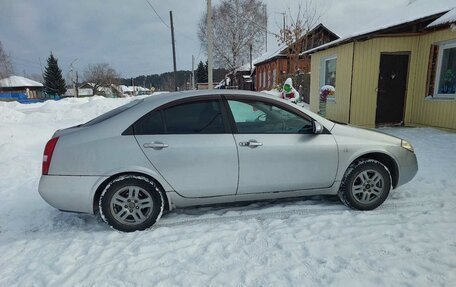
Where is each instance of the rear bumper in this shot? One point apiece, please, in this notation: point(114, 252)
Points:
point(69, 193)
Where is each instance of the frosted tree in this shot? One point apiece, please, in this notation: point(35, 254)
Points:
point(100, 75)
point(6, 67)
point(237, 25)
point(292, 34)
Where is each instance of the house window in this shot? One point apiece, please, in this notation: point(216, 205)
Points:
point(260, 74)
point(445, 78)
point(328, 74)
point(264, 79)
point(274, 76)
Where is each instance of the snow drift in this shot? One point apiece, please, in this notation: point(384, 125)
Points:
point(409, 241)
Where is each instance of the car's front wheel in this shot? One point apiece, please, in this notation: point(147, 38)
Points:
point(130, 203)
point(366, 185)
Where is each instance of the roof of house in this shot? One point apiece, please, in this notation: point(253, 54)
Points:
point(447, 18)
point(275, 53)
point(18, 81)
point(280, 52)
point(125, 89)
point(413, 10)
point(81, 92)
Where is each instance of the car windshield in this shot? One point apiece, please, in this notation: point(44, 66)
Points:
point(111, 113)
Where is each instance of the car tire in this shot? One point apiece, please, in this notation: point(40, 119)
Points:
point(131, 203)
point(366, 185)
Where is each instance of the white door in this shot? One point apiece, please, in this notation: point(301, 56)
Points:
point(278, 150)
point(191, 147)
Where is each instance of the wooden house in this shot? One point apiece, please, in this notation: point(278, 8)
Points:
point(402, 71)
point(17, 87)
point(272, 68)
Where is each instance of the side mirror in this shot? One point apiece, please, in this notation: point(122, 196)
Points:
point(317, 128)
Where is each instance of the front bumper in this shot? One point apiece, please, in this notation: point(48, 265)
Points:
point(70, 193)
point(408, 166)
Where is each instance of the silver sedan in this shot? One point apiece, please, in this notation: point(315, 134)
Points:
point(207, 147)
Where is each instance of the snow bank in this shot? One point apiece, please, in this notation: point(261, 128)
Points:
point(409, 241)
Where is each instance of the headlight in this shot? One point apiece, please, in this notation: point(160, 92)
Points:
point(405, 144)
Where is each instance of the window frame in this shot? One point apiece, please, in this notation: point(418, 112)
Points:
point(247, 99)
point(196, 99)
point(436, 95)
point(330, 99)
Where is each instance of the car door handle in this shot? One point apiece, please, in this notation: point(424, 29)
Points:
point(155, 145)
point(251, 143)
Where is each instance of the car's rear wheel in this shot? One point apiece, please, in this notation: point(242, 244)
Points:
point(130, 203)
point(366, 185)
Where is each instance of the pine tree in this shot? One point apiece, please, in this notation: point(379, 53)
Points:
point(54, 84)
point(201, 73)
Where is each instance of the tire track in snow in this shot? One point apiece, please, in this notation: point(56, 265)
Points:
point(389, 207)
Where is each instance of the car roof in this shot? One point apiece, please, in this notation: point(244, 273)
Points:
point(120, 122)
point(193, 93)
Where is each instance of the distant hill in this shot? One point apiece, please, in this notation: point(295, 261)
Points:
point(164, 82)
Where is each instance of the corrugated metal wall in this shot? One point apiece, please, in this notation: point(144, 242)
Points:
point(365, 75)
point(430, 112)
point(366, 65)
point(337, 111)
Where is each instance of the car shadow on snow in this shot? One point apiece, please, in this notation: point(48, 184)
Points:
point(277, 208)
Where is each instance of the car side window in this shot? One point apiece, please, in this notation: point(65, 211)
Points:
point(150, 124)
point(203, 117)
point(254, 117)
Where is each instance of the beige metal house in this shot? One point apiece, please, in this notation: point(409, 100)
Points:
point(401, 72)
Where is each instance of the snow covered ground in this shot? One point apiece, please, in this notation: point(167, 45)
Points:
point(409, 241)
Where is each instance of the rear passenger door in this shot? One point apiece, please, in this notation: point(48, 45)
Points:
point(190, 143)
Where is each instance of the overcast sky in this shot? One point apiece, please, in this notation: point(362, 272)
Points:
point(128, 34)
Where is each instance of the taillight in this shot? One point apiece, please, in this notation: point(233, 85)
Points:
point(47, 156)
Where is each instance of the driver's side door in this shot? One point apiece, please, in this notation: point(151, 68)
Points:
point(278, 150)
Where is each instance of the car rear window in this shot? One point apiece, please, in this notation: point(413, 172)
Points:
point(111, 113)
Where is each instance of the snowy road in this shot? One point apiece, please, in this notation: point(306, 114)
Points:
point(409, 241)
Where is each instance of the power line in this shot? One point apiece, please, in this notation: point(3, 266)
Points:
point(252, 21)
point(23, 60)
point(158, 15)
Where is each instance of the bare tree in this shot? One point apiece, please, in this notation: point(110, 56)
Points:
point(295, 33)
point(237, 24)
point(6, 67)
point(100, 75)
point(36, 77)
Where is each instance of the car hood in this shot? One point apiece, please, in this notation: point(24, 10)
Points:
point(364, 134)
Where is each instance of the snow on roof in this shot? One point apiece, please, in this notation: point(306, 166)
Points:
point(18, 81)
point(448, 18)
point(406, 12)
point(81, 92)
point(270, 54)
point(263, 57)
point(141, 89)
point(244, 68)
point(281, 49)
point(126, 88)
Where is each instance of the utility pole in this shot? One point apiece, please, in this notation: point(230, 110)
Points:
point(265, 26)
point(210, 81)
point(72, 78)
point(174, 49)
point(284, 15)
point(250, 55)
point(193, 72)
point(76, 85)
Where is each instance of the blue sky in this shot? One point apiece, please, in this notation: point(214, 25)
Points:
point(129, 36)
